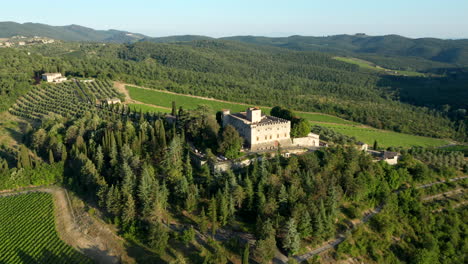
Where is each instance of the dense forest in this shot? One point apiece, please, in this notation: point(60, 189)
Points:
point(307, 81)
point(138, 169)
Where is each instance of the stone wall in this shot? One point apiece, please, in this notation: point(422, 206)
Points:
point(312, 140)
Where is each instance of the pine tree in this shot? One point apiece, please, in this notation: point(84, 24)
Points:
point(265, 247)
point(249, 191)
point(158, 237)
point(192, 198)
point(213, 215)
point(223, 209)
point(173, 161)
point(376, 145)
point(203, 223)
point(129, 180)
point(99, 158)
point(305, 225)
point(129, 212)
point(145, 189)
point(292, 240)
point(188, 170)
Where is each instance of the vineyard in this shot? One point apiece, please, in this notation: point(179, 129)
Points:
point(66, 99)
point(28, 234)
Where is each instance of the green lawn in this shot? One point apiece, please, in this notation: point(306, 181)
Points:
point(385, 138)
point(163, 99)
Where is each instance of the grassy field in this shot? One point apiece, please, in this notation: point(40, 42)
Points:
point(163, 99)
point(385, 138)
point(28, 234)
point(147, 108)
point(371, 66)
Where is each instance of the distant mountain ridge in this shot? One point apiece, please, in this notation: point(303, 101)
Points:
point(440, 50)
point(454, 52)
point(67, 33)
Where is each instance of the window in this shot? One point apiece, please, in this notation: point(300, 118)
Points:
point(271, 136)
point(266, 137)
point(258, 138)
point(277, 135)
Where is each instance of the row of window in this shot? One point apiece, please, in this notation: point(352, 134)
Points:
point(270, 128)
point(271, 137)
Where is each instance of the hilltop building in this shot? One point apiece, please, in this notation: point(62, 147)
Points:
point(53, 77)
point(260, 132)
point(263, 132)
point(110, 101)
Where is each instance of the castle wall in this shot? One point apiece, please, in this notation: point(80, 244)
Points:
point(271, 134)
point(240, 126)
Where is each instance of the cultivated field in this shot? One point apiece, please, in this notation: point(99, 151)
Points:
point(65, 99)
point(28, 234)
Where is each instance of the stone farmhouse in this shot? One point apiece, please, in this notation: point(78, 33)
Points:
point(389, 157)
point(263, 132)
point(111, 101)
point(53, 77)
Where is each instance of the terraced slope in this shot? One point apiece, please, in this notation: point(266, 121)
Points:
point(66, 99)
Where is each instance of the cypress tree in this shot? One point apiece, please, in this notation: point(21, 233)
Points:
point(64, 153)
point(245, 254)
point(160, 135)
point(51, 156)
point(174, 109)
point(213, 215)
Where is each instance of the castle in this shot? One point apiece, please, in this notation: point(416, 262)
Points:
point(263, 132)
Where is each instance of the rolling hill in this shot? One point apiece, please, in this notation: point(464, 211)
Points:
point(437, 50)
point(67, 33)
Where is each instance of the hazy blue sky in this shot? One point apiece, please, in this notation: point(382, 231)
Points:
point(412, 18)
